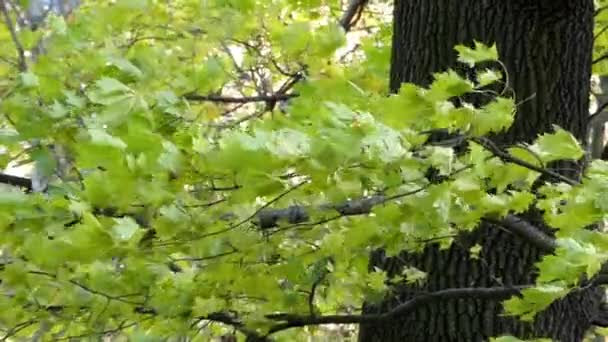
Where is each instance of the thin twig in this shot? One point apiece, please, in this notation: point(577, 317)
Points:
point(122, 326)
point(16, 329)
point(11, 28)
point(244, 99)
point(600, 32)
point(506, 157)
point(600, 58)
point(269, 203)
point(211, 257)
point(120, 298)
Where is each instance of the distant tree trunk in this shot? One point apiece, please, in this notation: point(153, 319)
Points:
point(546, 46)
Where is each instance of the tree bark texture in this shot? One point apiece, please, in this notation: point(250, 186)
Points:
point(546, 46)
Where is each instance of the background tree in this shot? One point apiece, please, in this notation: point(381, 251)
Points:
point(546, 48)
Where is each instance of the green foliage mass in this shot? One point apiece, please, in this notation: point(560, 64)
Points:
point(166, 128)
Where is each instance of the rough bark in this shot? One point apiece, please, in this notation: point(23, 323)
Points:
point(546, 46)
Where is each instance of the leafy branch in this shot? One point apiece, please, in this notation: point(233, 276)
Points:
point(527, 231)
point(16, 329)
point(507, 157)
point(289, 321)
point(296, 215)
point(86, 288)
point(489, 293)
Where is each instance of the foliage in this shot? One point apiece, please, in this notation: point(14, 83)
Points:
point(600, 53)
point(168, 132)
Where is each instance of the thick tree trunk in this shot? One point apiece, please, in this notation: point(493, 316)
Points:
point(546, 46)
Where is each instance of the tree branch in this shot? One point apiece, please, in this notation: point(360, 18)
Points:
point(527, 231)
point(506, 157)
point(244, 99)
point(107, 296)
point(352, 14)
point(266, 218)
point(492, 293)
point(600, 58)
point(11, 28)
point(16, 181)
point(233, 321)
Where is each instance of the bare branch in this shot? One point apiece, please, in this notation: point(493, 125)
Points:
point(352, 14)
point(528, 232)
point(16, 181)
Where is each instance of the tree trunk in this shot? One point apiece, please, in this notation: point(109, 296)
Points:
point(546, 46)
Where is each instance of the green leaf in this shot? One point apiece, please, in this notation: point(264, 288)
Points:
point(58, 25)
point(206, 306)
point(560, 145)
point(480, 53)
point(125, 228)
point(329, 38)
point(109, 85)
point(534, 300)
point(74, 100)
point(488, 77)
point(12, 198)
point(495, 117)
point(29, 80)
point(102, 138)
point(126, 66)
point(296, 38)
point(108, 91)
point(57, 110)
point(447, 85)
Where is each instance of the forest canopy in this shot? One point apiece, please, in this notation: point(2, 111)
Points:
point(198, 168)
